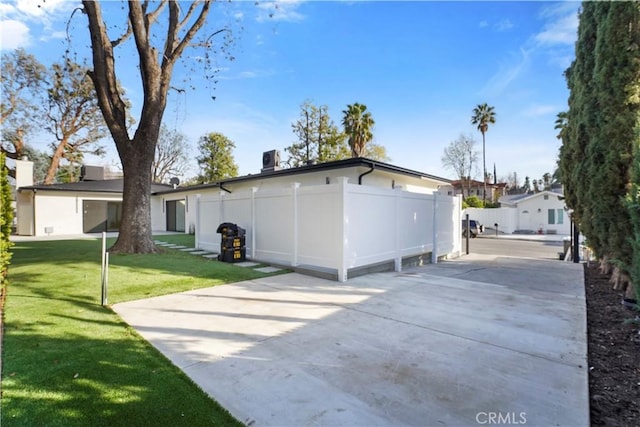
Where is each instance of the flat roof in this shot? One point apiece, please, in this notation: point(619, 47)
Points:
point(337, 164)
point(100, 186)
point(116, 185)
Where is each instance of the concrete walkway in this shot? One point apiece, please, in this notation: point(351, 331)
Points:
point(460, 343)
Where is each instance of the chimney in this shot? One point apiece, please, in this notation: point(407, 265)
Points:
point(24, 173)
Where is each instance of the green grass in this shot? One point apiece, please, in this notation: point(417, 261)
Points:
point(68, 361)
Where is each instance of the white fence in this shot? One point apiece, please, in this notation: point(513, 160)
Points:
point(334, 227)
point(506, 218)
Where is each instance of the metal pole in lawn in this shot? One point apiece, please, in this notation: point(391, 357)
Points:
point(106, 279)
point(103, 271)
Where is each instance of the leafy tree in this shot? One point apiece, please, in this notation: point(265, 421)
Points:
point(483, 116)
point(216, 158)
point(526, 187)
point(171, 155)
point(536, 185)
point(22, 78)
point(158, 47)
point(461, 156)
point(376, 152)
point(73, 117)
point(358, 126)
point(41, 161)
point(318, 138)
point(546, 181)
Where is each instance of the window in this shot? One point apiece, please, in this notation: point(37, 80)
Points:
point(552, 216)
point(560, 218)
point(546, 197)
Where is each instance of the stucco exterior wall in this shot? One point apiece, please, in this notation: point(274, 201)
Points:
point(533, 214)
point(56, 212)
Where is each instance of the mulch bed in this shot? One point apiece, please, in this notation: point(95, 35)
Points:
point(614, 354)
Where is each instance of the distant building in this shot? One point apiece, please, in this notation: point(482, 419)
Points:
point(471, 187)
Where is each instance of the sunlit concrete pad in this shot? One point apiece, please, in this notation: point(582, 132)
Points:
point(246, 264)
point(446, 344)
point(199, 252)
point(267, 269)
point(189, 249)
point(210, 256)
point(179, 247)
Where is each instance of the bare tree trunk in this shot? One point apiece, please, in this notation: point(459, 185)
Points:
point(136, 199)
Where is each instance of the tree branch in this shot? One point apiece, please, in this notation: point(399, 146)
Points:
point(103, 75)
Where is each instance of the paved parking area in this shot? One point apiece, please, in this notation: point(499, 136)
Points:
point(449, 344)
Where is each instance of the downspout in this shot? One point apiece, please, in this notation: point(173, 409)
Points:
point(373, 166)
point(225, 189)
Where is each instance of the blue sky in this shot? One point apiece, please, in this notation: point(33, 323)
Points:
point(420, 67)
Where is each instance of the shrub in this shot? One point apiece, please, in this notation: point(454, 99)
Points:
point(473, 202)
point(6, 219)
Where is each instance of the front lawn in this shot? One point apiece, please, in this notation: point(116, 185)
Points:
point(68, 361)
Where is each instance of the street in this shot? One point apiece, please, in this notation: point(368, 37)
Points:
point(488, 245)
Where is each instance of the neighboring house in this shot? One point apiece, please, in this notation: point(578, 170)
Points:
point(338, 218)
point(73, 208)
point(542, 213)
point(472, 187)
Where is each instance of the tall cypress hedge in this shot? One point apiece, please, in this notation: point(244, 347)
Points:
point(599, 159)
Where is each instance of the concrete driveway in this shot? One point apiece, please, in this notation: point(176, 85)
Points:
point(478, 340)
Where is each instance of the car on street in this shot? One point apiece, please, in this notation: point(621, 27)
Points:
point(474, 228)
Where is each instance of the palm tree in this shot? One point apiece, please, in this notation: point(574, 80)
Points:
point(483, 115)
point(358, 125)
point(562, 121)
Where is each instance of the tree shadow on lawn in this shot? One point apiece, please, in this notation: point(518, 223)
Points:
point(29, 285)
point(80, 381)
point(72, 253)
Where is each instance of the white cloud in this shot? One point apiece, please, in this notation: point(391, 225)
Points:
point(36, 9)
point(483, 24)
point(23, 19)
point(6, 9)
point(541, 110)
point(561, 25)
point(506, 74)
point(13, 35)
point(280, 11)
point(503, 25)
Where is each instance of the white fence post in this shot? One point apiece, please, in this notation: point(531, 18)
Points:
point(294, 196)
point(197, 231)
point(398, 248)
point(434, 251)
point(343, 229)
point(253, 221)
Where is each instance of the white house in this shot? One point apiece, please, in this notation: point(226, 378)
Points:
point(542, 213)
point(339, 218)
point(72, 208)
